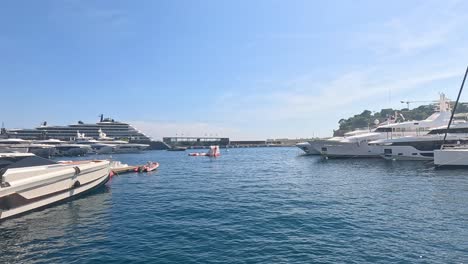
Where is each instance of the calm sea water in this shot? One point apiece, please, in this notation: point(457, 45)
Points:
point(265, 205)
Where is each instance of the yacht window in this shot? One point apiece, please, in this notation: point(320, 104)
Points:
point(414, 154)
point(427, 154)
point(383, 129)
point(387, 151)
point(324, 149)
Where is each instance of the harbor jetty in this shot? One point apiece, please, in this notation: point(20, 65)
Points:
point(180, 142)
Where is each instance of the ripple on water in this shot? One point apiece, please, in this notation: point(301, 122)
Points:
point(265, 205)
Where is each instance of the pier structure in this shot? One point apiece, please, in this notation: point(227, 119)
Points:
point(205, 142)
point(195, 141)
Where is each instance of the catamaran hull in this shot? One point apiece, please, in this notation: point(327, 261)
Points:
point(26, 197)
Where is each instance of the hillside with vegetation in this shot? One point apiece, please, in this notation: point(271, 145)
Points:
point(367, 119)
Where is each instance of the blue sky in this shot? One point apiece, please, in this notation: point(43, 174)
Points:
point(242, 69)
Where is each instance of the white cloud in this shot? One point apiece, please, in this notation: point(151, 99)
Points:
point(431, 25)
point(409, 54)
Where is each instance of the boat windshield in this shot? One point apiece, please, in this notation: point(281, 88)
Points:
point(23, 161)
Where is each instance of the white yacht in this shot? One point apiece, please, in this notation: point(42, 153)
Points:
point(29, 182)
point(96, 146)
point(120, 146)
point(72, 150)
point(319, 143)
point(50, 142)
point(420, 147)
point(14, 145)
point(307, 148)
point(26, 146)
point(358, 145)
point(107, 145)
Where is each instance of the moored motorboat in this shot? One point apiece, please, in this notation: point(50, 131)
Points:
point(149, 166)
point(29, 182)
point(421, 147)
point(357, 146)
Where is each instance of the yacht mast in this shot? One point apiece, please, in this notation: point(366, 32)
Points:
point(454, 108)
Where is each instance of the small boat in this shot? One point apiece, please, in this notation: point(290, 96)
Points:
point(150, 166)
point(213, 152)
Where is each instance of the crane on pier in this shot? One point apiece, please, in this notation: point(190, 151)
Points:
point(411, 102)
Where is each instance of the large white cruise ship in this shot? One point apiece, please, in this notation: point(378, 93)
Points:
point(358, 145)
point(114, 129)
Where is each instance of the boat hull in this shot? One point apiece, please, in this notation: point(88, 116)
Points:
point(402, 153)
point(451, 157)
point(307, 148)
point(26, 195)
point(349, 150)
point(319, 144)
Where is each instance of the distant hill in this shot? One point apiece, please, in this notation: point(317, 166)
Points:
point(367, 118)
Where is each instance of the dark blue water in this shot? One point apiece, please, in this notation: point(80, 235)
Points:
point(265, 205)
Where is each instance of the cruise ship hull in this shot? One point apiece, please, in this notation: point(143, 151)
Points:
point(32, 188)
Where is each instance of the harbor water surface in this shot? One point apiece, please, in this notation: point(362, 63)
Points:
point(258, 205)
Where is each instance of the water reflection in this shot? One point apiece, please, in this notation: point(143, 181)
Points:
point(49, 230)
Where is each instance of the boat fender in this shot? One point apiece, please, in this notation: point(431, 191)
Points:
point(76, 185)
point(77, 170)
